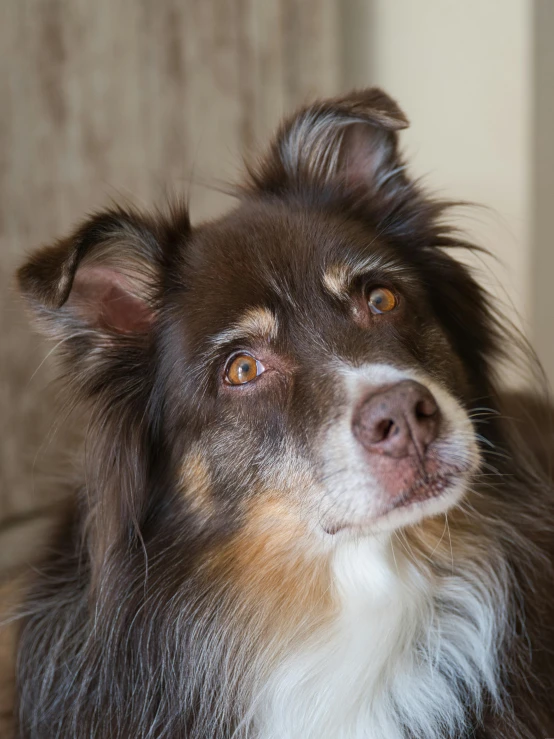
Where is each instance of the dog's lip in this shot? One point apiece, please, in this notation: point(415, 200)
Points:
point(422, 490)
point(425, 489)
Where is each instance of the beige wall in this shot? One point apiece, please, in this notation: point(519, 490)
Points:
point(542, 213)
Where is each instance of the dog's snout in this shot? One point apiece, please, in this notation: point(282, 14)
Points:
point(398, 421)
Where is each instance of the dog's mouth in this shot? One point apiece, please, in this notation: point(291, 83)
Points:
point(427, 496)
point(423, 489)
point(406, 451)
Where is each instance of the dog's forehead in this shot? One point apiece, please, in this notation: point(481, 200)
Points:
point(270, 251)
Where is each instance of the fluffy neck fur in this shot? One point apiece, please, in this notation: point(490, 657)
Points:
point(410, 649)
point(407, 645)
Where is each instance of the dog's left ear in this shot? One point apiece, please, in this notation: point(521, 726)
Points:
point(348, 140)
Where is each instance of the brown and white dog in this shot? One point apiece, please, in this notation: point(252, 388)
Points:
point(304, 514)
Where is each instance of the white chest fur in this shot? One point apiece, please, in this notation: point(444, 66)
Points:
point(408, 649)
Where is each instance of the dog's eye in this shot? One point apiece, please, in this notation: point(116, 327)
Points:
point(243, 368)
point(381, 300)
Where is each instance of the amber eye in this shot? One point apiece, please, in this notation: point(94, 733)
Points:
point(381, 300)
point(243, 368)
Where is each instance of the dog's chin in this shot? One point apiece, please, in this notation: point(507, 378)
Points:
point(427, 499)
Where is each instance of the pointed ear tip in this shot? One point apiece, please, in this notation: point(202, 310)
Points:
point(379, 100)
point(36, 282)
point(403, 123)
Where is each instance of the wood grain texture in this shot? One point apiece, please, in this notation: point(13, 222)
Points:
point(126, 99)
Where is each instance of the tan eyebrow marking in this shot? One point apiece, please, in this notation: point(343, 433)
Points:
point(336, 280)
point(255, 323)
point(258, 321)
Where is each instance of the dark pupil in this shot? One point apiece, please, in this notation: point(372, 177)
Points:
point(244, 368)
point(378, 298)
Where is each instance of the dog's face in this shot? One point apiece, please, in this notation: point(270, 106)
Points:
point(308, 360)
point(311, 372)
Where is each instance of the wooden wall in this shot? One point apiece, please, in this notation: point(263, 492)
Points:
point(126, 99)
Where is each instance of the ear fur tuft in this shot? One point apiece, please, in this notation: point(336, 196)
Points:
point(350, 140)
point(102, 278)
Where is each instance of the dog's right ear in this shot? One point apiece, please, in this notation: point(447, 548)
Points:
point(98, 288)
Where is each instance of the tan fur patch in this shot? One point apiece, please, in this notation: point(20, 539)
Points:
point(258, 322)
point(273, 572)
point(336, 280)
point(255, 323)
point(196, 484)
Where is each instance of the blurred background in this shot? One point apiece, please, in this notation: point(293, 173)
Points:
point(134, 99)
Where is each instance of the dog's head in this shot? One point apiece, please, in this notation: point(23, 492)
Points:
point(309, 360)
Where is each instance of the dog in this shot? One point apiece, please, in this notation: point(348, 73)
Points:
point(304, 511)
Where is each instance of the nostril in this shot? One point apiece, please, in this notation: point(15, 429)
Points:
point(384, 430)
point(398, 421)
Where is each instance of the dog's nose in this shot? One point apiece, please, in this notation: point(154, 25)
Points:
point(399, 421)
